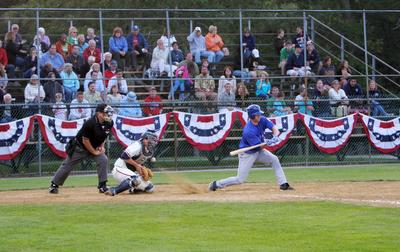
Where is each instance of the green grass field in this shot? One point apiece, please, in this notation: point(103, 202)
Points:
point(197, 226)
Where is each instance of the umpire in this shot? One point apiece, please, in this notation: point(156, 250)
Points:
point(88, 143)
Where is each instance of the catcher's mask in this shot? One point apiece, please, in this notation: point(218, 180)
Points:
point(151, 136)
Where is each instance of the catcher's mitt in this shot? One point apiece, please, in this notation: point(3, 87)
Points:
point(146, 173)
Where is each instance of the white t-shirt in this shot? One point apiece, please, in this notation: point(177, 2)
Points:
point(336, 96)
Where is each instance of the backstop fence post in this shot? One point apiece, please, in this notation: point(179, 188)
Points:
point(366, 71)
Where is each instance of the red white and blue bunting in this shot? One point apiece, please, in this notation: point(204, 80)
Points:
point(329, 136)
point(127, 129)
point(205, 132)
point(383, 135)
point(13, 137)
point(57, 132)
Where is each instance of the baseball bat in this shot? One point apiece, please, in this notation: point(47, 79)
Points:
point(238, 151)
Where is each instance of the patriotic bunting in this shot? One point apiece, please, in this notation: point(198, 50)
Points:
point(329, 136)
point(127, 129)
point(57, 132)
point(384, 136)
point(205, 132)
point(13, 137)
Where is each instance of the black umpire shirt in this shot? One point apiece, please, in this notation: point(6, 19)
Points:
point(94, 131)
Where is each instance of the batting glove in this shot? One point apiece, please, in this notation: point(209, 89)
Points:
point(273, 140)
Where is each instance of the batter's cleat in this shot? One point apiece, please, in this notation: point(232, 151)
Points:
point(213, 186)
point(110, 191)
point(103, 189)
point(53, 188)
point(285, 187)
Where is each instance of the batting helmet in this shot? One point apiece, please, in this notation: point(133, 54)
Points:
point(254, 110)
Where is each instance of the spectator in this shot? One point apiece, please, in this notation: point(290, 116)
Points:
point(118, 47)
point(82, 44)
point(160, 59)
point(354, 91)
point(107, 62)
point(18, 37)
point(181, 82)
point(95, 67)
point(98, 83)
point(312, 57)
point(92, 96)
point(299, 39)
point(215, 45)
point(91, 35)
point(59, 109)
point(72, 38)
point(276, 106)
point(327, 70)
point(339, 100)
point(51, 88)
point(41, 34)
point(114, 98)
point(226, 100)
point(227, 77)
point(80, 107)
point(192, 67)
point(322, 107)
point(34, 91)
point(176, 54)
point(284, 54)
point(168, 39)
point(302, 103)
point(279, 41)
point(152, 103)
point(92, 50)
point(343, 71)
point(53, 57)
point(295, 64)
point(197, 44)
point(3, 56)
point(119, 81)
point(138, 48)
point(3, 80)
point(129, 106)
point(14, 50)
point(249, 44)
point(70, 82)
point(31, 62)
point(205, 86)
point(374, 94)
point(263, 86)
point(77, 61)
point(41, 42)
point(45, 70)
point(8, 112)
point(88, 65)
point(242, 93)
point(110, 72)
point(62, 47)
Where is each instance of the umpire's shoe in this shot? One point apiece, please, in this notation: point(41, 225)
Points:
point(213, 186)
point(53, 188)
point(285, 187)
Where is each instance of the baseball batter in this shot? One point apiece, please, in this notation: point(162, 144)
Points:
point(253, 134)
point(129, 169)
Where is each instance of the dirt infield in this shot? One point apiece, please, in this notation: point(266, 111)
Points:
point(370, 193)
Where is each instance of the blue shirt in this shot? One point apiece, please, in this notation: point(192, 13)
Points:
point(118, 44)
point(254, 134)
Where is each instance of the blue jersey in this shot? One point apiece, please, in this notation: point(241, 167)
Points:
point(254, 134)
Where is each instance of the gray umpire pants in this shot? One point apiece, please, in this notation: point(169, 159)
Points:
point(79, 155)
point(246, 161)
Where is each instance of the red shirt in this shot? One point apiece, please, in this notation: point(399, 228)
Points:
point(135, 41)
point(108, 75)
point(152, 106)
point(96, 53)
point(3, 57)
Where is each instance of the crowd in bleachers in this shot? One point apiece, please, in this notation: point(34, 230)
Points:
point(75, 71)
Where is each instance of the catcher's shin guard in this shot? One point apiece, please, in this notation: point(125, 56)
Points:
point(126, 184)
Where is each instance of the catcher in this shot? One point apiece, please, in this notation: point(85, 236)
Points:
point(129, 169)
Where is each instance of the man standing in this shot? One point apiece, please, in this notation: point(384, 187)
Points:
point(88, 143)
point(253, 134)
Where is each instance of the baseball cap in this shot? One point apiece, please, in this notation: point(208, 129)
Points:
point(135, 28)
point(254, 110)
point(297, 46)
point(197, 29)
point(114, 63)
point(105, 109)
point(255, 53)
